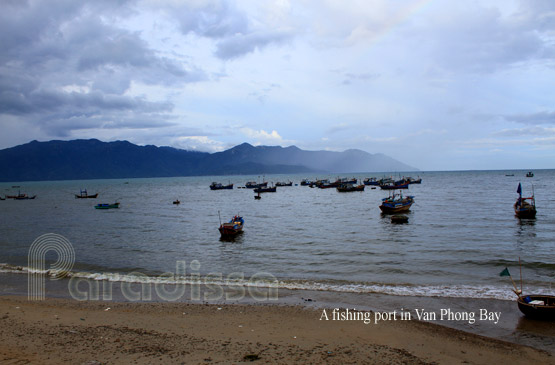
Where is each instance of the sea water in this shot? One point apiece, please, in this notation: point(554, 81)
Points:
point(462, 232)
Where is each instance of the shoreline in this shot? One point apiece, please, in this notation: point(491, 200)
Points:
point(64, 330)
point(511, 325)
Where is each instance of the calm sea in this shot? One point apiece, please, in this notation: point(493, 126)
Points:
point(461, 233)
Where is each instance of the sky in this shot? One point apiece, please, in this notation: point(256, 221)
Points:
point(436, 84)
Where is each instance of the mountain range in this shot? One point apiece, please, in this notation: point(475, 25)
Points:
point(94, 159)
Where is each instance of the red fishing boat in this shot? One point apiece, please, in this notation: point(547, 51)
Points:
point(232, 228)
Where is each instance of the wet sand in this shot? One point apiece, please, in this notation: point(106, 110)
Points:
point(67, 331)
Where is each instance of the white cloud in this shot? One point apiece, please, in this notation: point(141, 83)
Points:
point(262, 137)
point(198, 143)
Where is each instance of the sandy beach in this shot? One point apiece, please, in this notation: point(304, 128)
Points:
point(66, 331)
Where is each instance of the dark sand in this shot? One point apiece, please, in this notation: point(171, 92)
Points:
point(57, 331)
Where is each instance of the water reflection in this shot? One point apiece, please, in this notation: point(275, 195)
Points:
point(525, 228)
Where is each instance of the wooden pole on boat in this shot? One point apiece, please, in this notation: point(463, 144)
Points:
point(516, 291)
point(220, 217)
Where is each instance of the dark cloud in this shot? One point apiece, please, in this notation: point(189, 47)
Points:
point(217, 19)
point(67, 65)
point(230, 27)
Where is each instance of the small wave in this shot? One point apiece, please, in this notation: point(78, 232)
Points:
point(268, 281)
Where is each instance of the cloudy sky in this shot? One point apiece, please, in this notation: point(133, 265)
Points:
point(437, 84)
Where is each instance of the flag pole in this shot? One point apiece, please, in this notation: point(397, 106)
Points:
point(507, 273)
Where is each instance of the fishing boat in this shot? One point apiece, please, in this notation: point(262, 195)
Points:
point(401, 184)
point(523, 208)
point(529, 174)
point(232, 228)
point(254, 185)
point(306, 182)
point(386, 180)
point(176, 202)
point(537, 306)
point(20, 196)
point(262, 189)
point(328, 185)
point(279, 183)
point(395, 203)
point(25, 197)
point(346, 180)
point(2, 198)
point(412, 180)
point(107, 206)
point(345, 188)
point(84, 195)
point(219, 186)
point(371, 181)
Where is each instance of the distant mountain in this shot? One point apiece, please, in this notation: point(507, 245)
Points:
point(93, 159)
point(325, 161)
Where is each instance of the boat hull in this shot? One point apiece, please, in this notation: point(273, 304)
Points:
point(524, 209)
point(230, 232)
point(544, 312)
point(265, 190)
point(526, 213)
point(86, 196)
point(221, 187)
point(395, 209)
point(347, 189)
point(25, 197)
point(107, 206)
point(390, 206)
point(253, 185)
point(395, 187)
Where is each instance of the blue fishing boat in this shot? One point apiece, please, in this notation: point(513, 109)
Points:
point(271, 189)
point(525, 207)
point(232, 228)
point(371, 181)
point(401, 184)
point(107, 206)
point(395, 203)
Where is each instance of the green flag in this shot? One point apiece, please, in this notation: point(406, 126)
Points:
point(505, 272)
